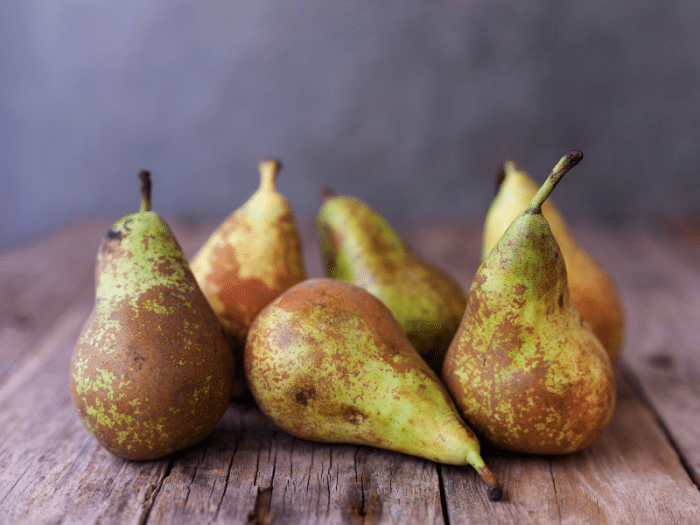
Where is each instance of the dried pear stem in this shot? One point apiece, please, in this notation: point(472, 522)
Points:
point(145, 178)
point(494, 491)
point(500, 177)
point(325, 193)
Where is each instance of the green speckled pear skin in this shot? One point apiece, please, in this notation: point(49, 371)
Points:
point(326, 361)
point(359, 246)
point(151, 370)
point(592, 290)
point(525, 370)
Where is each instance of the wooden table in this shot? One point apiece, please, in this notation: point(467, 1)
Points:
point(644, 469)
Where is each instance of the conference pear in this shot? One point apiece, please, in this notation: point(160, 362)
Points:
point(359, 246)
point(250, 258)
point(151, 370)
point(524, 368)
point(593, 292)
point(327, 361)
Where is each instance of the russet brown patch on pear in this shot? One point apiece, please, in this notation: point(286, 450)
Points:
point(241, 292)
point(353, 415)
point(303, 395)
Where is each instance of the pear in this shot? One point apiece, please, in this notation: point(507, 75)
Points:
point(326, 361)
point(359, 246)
point(151, 370)
point(250, 258)
point(524, 368)
point(592, 290)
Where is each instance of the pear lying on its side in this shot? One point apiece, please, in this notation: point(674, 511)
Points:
point(592, 290)
point(151, 369)
point(326, 361)
point(525, 370)
point(250, 258)
point(359, 246)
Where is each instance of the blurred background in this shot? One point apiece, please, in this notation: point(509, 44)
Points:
point(408, 105)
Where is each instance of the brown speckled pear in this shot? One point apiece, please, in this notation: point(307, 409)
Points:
point(359, 246)
point(151, 369)
point(252, 257)
point(524, 368)
point(327, 361)
point(593, 292)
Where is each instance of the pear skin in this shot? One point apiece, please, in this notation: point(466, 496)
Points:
point(250, 258)
point(592, 290)
point(151, 370)
point(327, 361)
point(525, 370)
point(361, 247)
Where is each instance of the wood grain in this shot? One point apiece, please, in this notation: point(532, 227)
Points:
point(248, 471)
point(661, 291)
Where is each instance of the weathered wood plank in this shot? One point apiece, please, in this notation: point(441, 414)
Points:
point(252, 472)
point(248, 471)
point(37, 282)
point(661, 292)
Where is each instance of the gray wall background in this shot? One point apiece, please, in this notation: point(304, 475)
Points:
point(409, 105)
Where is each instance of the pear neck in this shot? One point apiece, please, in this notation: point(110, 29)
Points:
point(269, 169)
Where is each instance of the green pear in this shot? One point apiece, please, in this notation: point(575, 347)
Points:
point(151, 370)
point(248, 260)
point(592, 290)
point(524, 368)
point(359, 246)
point(327, 361)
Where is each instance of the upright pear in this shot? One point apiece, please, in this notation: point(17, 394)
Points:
point(327, 361)
point(359, 246)
point(525, 369)
point(592, 290)
point(151, 369)
point(250, 258)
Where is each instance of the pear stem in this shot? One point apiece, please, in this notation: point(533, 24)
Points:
point(325, 193)
point(500, 177)
point(494, 491)
point(563, 166)
point(269, 169)
point(145, 178)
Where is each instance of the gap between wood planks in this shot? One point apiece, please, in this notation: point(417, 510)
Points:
point(153, 496)
point(638, 389)
point(443, 496)
point(262, 514)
